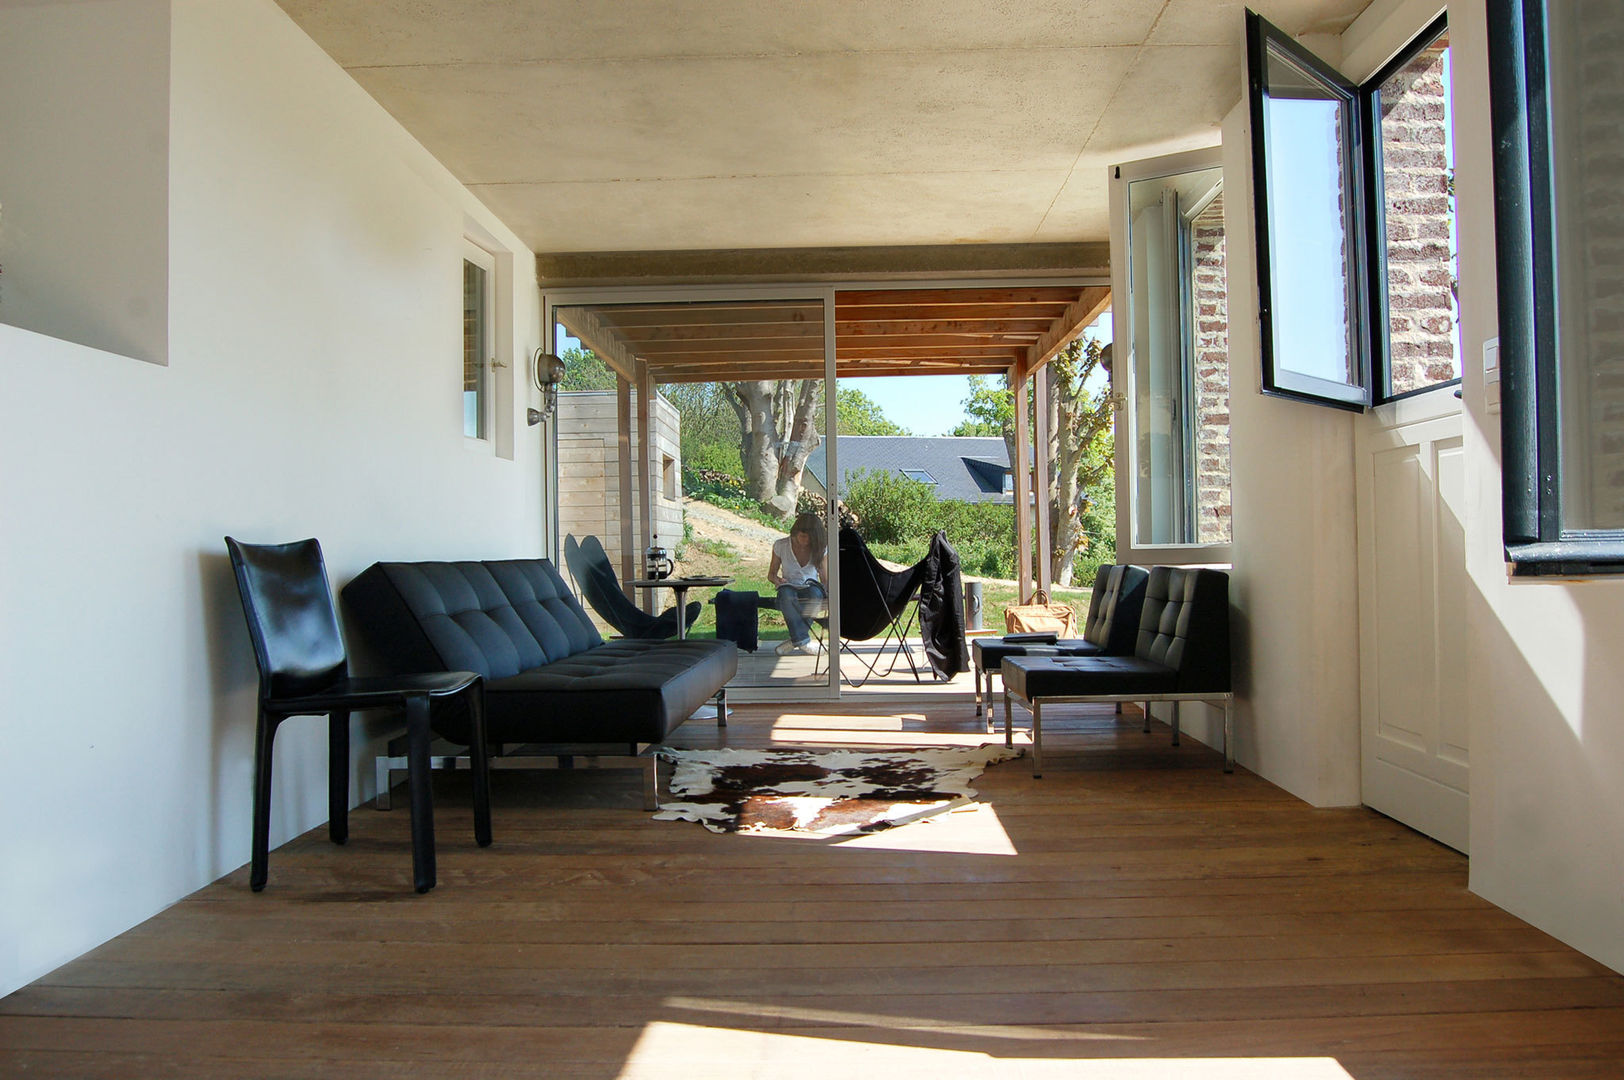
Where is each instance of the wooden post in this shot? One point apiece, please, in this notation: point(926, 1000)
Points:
point(645, 449)
point(1041, 483)
point(1023, 488)
point(623, 430)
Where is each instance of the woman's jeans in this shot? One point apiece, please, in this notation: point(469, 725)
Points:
point(793, 601)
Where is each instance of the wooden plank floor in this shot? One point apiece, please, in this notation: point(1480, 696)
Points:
point(1136, 913)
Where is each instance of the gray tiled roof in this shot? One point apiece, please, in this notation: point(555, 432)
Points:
point(968, 469)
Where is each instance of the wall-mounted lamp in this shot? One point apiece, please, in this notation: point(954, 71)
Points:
point(547, 371)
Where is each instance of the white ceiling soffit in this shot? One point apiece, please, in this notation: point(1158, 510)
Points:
point(674, 125)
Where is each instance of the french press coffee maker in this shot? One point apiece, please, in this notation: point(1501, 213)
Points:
point(657, 562)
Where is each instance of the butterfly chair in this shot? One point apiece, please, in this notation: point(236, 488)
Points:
point(595, 576)
point(875, 602)
point(303, 671)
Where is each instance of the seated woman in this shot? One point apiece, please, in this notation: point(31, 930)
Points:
point(798, 571)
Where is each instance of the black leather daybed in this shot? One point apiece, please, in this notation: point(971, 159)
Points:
point(554, 688)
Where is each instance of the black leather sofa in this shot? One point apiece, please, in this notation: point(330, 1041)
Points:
point(1108, 630)
point(1181, 653)
point(552, 683)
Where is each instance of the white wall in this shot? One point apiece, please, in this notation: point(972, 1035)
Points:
point(1545, 685)
point(313, 389)
point(1294, 584)
point(84, 172)
point(1295, 530)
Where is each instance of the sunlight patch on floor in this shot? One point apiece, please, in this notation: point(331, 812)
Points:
point(965, 830)
point(665, 1049)
point(883, 729)
point(795, 1016)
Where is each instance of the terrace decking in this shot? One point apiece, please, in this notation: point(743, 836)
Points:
point(1135, 913)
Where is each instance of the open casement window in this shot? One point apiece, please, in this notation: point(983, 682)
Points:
point(478, 342)
point(1355, 222)
point(1554, 82)
point(1170, 361)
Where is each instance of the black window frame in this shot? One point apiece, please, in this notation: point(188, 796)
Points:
point(1376, 220)
point(1528, 292)
point(1368, 268)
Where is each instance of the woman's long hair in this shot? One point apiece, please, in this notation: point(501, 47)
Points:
point(812, 525)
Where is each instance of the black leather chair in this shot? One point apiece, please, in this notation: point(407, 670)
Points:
point(304, 671)
point(875, 602)
point(1109, 630)
point(1181, 653)
point(595, 576)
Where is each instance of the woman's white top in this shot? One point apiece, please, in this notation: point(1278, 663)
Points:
point(795, 573)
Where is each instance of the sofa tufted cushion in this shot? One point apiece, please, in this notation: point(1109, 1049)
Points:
point(1110, 628)
point(1062, 676)
point(628, 690)
point(990, 652)
point(549, 675)
point(1114, 608)
point(1185, 626)
point(496, 618)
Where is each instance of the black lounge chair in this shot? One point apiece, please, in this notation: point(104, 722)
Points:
point(875, 602)
point(595, 576)
point(1110, 630)
point(1181, 653)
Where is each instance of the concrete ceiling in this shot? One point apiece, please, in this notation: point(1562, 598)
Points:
point(687, 125)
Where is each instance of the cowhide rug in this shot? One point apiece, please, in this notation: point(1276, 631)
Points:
point(820, 792)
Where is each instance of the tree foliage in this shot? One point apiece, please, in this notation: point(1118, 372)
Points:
point(858, 414)
point(585, 370)
point(1082, 484)
point(763, 432)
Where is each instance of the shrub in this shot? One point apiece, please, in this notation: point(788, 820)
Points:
point(891, 509)
point(898, 516)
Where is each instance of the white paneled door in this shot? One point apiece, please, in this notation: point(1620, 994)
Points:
point(1412, 582)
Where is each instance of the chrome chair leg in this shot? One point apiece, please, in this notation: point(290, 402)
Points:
point(1037, 740)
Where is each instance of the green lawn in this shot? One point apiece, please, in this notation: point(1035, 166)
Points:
point(716, 557)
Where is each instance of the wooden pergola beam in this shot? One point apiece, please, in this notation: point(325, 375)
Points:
point(1078, 314)
point(949, 298)
point(601, 338)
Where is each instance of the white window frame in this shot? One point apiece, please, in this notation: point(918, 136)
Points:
point(1123, 388)
point(485, 440)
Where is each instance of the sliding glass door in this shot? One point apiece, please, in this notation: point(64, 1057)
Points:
point(688, 425)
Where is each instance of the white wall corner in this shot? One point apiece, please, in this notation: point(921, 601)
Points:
point(1295, 571)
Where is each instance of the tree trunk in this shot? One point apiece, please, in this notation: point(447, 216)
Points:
point(1074, 421)
point(778, 429)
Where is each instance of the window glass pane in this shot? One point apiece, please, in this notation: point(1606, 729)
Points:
point(1311, 225)
point(475, 349)
point(730, 438)
point(1586, 86)
point(1418, 222)
point(1210, 312)
point(1178, 314)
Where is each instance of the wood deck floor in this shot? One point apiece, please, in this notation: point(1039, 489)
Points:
point(1134, 914)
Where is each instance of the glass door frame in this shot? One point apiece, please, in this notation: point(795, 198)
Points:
point(553, 299)
point(826, 291)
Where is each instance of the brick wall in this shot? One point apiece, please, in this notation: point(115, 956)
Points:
point(472, 302)
point(1418, 205)
point(1211, 303)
